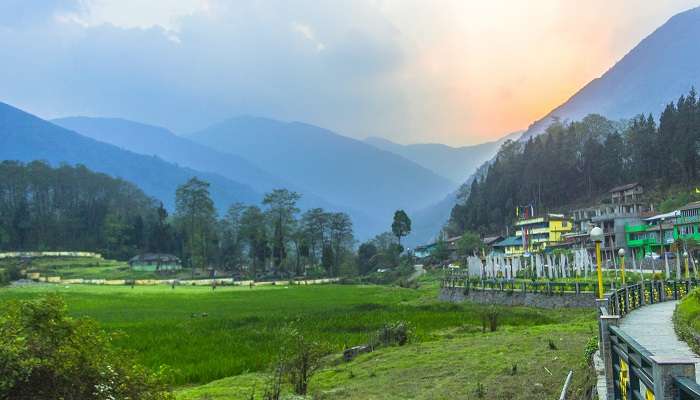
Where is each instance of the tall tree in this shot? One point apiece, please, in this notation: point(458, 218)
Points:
point(401, 225)
point(281, 209)
point(196, 216)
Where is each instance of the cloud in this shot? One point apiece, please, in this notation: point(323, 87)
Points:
point(23, 13)
point(450, 71)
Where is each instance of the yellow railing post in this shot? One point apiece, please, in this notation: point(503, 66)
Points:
point(600, 270)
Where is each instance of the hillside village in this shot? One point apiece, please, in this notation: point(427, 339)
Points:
point(629, 219)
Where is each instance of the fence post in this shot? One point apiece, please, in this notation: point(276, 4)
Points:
point(604, 321)
point(664, 369)
point(662, 294)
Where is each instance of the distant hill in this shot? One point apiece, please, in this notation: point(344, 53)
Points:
point(453, 163)
point(342, 170)
point(651, 75)
point(25, 137)
point(153, 140)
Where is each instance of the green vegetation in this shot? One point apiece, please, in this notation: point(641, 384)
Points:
point(47, 355)
point(88, 268)
point(686, 320)
point(75, 209)
point(515, 362)
point(577, 162)
point(206, 335)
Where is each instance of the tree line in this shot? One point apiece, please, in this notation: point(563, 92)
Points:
point(575, 163)
point(72, 208)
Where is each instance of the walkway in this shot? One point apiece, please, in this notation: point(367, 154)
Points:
point(652, 327)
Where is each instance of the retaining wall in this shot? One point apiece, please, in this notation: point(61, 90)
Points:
point(516, 298)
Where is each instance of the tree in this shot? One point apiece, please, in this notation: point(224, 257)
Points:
point(231, 242)
point(314, 223)
point(281, 210)
point(45, 354)
point(367, 257)
point(255, 237)
point(341, 237)
point(195, 214)
point(401, 225)
point(468, 244)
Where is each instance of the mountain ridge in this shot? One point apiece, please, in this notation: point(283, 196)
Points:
point(644, 80)
point(346, 171)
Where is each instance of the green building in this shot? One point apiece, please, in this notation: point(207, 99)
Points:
point(646, 238)
point(688, 222)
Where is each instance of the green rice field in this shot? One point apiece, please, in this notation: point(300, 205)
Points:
point(205, 335)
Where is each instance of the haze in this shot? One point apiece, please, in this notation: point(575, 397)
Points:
point(451, 71)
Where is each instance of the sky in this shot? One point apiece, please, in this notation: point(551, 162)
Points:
point(447, 71)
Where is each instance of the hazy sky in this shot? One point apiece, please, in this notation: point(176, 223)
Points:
point(450, 71)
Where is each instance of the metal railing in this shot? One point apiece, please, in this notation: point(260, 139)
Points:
point(632, 371)
point(522, 285)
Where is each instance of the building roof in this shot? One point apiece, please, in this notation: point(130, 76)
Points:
point(491, 239)
point(691, 206)
point(667, 215)
point(510, 241)
point(154, 257)
point(624, 187)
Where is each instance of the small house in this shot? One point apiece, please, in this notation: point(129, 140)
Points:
point(153, 262)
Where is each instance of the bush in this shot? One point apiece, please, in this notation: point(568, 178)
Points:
point(44, 354)
point(489, 319)
point(394, 333)
point(590, 349)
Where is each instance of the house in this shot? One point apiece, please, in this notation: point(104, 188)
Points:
point(687, 225)
point(655, 234)
point(629, 194)
point(538, 232)
point(155, 262)
point(489, 241)
point(510, 246)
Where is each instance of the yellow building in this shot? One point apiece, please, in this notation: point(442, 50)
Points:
point(539, 232)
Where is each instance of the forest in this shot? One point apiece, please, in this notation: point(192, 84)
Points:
point(71, 208)
point(575, 163)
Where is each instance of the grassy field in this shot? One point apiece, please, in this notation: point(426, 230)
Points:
point(512, 363)
point(686, 320)
point(92, 268)
point(206, 335)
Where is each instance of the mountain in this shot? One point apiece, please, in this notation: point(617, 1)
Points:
point(153, 140)
point(654, 73)
point(342, 170)
point(25, 137)
point(453, 163)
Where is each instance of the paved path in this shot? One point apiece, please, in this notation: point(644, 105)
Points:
point(652, 327)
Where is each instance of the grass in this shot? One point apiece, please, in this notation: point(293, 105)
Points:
point(686, 320)
point(512, 363)
point(206, 335)
point(91, 268)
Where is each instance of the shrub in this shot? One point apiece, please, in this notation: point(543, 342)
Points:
point(489, 319)
point(590, 349)
point(44, 354)
point(302, 357)
point(394, 333)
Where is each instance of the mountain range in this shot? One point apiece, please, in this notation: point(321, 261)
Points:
point(344, 171)
point(25, 137)
point(453, 163)
point(654, 73)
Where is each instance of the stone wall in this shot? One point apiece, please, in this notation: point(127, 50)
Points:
point(515, 298)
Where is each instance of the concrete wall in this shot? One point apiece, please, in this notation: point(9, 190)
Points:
point(540, 300)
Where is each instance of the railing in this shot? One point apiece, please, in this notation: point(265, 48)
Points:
point(633, 372)
point(512, 285)
point(631, 297)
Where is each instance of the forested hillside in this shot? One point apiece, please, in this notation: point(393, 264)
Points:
point(73, 208)
point(575, 162)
